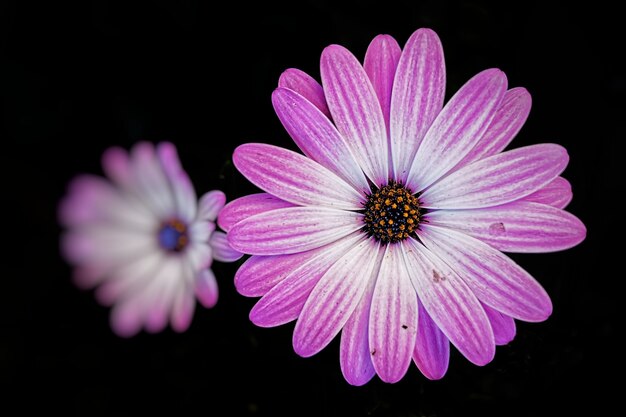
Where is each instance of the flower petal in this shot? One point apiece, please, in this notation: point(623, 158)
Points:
point(498, 179)
point(284, 302)
point(150, 180)
point(248, 206)
point(184, 193)
point(259, 274)
point(292, 229)
point(381, 61)
point(222, 251)
point(417, 99)
point(334, 298)
point(200, 231)
point(305, 85)
point(356, 111)
point(393, 318)
point(495, 279)
point(355, 357)
point(503, 326)
point(206, 288)
point(210, 205)
point(457, 128)
point(317, 137)
point(557, 193)
point(507, 122)
point(519, 226)
point(432, 347)
point(117, 166)
point(183, 309)
point(293, 177)
point(450, 303)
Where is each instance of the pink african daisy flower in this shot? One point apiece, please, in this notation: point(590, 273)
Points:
point(391, 228)
point(143, 239)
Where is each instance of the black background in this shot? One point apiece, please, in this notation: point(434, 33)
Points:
point(79, 77)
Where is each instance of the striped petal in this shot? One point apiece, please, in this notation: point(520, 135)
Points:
point(284, 302)
point(498, 179)
point(292, 230)
point(259, 274)
point(432, 347)
point(317, 137)
point(356, 111)
point(557, 193)
point(519, 226)
point(503, 326)
point(495, 279)
point(457, 128)
point(248, 206)
point(293, 177)
point(507, 122)
point(393, 318)
point(381, 61)
point(418, 94)
point(305, 85)
point(334, 298)
point(355, 357)
point(450, 303)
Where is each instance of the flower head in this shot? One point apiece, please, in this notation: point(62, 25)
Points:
point(143, 239)
point(390, 228)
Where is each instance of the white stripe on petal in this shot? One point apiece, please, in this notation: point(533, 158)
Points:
point(291, 230)
point(334, 298)
point(393, 317)
point(450, 303)
point(495, 279)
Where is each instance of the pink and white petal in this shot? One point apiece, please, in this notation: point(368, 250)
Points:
point(160, 295)
point(92, 199)
point(317, 137)
point(503, 326)
point(519, 226)
point(432, 347)
point(259, 274)
point(199, 255)
point(305, 85)
point(117, 166)
point(210, 205)
point(356, 111)
point(201, 230)
point(126, 318)
point(355, 357)
point(393, 318)
point(498, 179)
point(105, 245)
point(130, 279)
point(292, 230)
point(335, 297)
point(184, 193)
point(557, 193)
point(294, 178)
point(493, 277)
point(457, 128)
point(507, 122)
point(418, 93)
point(283, 303)
point(381, 61)
point(248, 206)
point(150, 181)
point(206, 288)
point(222, 251)
point(183, 308)
point(450, 303)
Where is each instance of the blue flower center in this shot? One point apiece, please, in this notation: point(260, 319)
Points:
point(391, 213)
point(173, 235)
